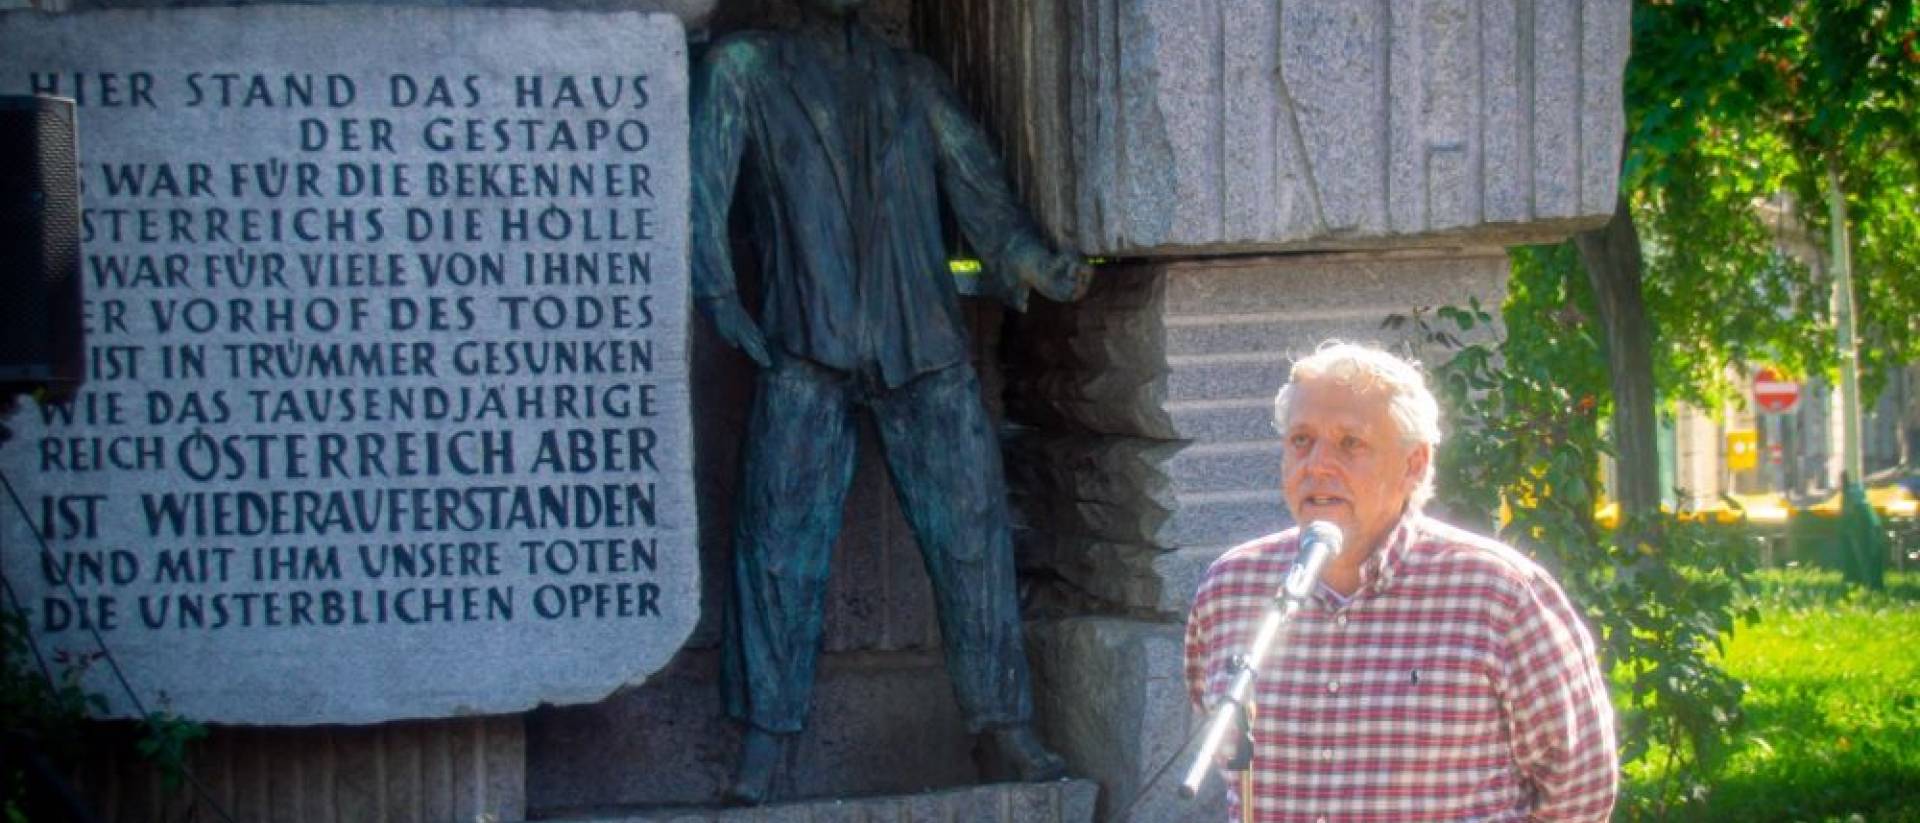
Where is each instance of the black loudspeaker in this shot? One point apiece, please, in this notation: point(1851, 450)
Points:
point(41, 340)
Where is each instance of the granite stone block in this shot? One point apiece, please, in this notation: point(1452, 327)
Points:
point(388, 771)
point(1138, 579)
point(1232, 419)
point(1078, 800)
point(1360, 287)
point(841, 811)
point(1213, 519)
point(1120, 574)
point(881, 723)
point(357, 789)
point(1211, 467)
point(925, 808)
point(1116, 403)
point(1230, 330)
point(1605, 30)
point(1180, 572)
point(408, 458)
point(1032, 803)
point(1232, 375)
point(1124, 471)
point(1099, 521)
point(1556, 108)
point(1281, 334)
point(1064, 801)
point(1091, 670)
point(1506, 196)
point(1146, 128)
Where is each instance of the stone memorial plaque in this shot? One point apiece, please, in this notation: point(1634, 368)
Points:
point(386, 414)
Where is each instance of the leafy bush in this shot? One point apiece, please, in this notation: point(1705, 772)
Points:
point(43, 710)
point(1524, 439)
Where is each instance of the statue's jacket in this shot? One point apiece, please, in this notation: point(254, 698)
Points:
point(843, 153)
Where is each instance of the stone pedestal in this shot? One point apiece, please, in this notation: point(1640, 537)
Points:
point(464, 769)
point(1066, 801)
point(1110, 693)
point(882, 723)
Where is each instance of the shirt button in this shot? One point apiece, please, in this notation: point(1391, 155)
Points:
point(1326, 754)
point(1333, 686)
point(1341, 620)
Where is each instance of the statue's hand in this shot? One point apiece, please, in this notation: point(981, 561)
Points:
point(738, 329)
point(1067, 279)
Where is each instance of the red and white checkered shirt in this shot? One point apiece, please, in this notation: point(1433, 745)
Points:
point(1456, 684)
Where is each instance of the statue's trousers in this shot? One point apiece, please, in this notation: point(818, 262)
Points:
point(944, 459)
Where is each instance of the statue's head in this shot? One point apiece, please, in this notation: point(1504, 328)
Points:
point(833, 8)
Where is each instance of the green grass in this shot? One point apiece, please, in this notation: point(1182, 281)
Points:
point(1833, 706)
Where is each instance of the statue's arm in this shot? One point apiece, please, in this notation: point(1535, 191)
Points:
point(995, 222)
point(717, 144)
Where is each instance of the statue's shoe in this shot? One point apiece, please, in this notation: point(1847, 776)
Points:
point(1015, 754)
point(761, 754)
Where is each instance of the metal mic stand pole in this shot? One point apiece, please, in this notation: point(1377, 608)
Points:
point(1232, 710)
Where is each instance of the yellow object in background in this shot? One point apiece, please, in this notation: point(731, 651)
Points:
point(1743, 450)
point(1770, 508)
point(1889, 499)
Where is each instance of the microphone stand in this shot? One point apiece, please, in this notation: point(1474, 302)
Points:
point(1232, 710)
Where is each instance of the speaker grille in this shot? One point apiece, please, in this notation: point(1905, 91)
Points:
point(40, 332)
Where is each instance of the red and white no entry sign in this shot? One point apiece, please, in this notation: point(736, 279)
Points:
point(1774, 395)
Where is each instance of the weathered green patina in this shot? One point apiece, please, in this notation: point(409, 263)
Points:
point(844, 151)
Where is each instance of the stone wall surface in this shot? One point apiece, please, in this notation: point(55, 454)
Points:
point(1066, 801)
point(1111, 693)
point(463, 770)
point(400, 432)
point(881, 724)
point(693, 13)
point(1149, 445)
point(1145, 127)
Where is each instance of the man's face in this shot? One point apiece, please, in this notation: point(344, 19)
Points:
point(1346, 462)
point(834, 8)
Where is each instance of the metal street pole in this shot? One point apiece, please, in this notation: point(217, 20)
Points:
point(1842, 262)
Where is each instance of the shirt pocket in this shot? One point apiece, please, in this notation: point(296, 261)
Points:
point(1440, 700)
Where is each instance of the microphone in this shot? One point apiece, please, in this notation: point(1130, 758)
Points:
point(1320, 542)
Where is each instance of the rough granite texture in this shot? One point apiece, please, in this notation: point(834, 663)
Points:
point(1111, 693)
point(881, 724)
point(1066, 801)
point(392, 580)
point(461, 769)
point(1161, 442)
point(1144, 127)
point(693, 13)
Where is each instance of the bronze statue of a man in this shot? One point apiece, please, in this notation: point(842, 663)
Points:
point(843, 150)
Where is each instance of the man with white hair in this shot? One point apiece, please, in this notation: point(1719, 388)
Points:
point(1435, 674)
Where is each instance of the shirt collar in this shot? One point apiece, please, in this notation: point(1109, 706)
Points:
point(1377, 573)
